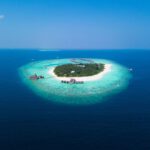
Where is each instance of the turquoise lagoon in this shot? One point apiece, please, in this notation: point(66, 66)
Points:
point(90, 92)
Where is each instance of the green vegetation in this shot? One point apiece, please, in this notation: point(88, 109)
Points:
point(78, 70)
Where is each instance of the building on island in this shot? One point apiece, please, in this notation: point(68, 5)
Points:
point(72, 81)
point(36, 77)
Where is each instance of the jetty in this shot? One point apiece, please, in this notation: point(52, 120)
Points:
point(87, 60)
point(81, 60)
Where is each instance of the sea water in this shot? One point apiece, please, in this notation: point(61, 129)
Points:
point(31, 122)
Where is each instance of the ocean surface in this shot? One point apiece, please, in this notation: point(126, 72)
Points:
point(27, 122)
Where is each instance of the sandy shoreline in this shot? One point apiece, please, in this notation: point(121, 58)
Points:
point(89, 78)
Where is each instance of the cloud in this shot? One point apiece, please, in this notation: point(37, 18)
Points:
point(2, 17)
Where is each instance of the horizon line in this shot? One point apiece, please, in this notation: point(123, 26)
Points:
point(59, 49)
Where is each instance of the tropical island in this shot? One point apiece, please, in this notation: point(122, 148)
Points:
point(75, 81)
point(79, 70)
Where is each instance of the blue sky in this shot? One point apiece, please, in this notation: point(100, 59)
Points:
point(75, 24)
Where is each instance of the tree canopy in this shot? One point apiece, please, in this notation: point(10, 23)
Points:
point(78, 70)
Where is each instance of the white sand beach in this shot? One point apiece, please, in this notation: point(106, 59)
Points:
point(84, 79)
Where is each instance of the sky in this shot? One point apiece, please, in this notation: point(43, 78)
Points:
point(75, 24)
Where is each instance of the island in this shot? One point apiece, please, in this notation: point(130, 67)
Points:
point(80, 73)
point(79, 70)
point(75, 81)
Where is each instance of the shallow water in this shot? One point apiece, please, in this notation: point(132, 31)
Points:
point(90, 92)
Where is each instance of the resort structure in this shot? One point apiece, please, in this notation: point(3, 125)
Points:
point(36, 77)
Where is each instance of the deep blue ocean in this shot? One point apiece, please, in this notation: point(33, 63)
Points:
point(28, 122)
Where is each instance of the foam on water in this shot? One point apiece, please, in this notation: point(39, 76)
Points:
point(77, 94)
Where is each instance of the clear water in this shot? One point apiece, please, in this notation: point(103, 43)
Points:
point(27, 122)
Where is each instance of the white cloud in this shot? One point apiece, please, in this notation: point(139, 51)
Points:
point(2, 17)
